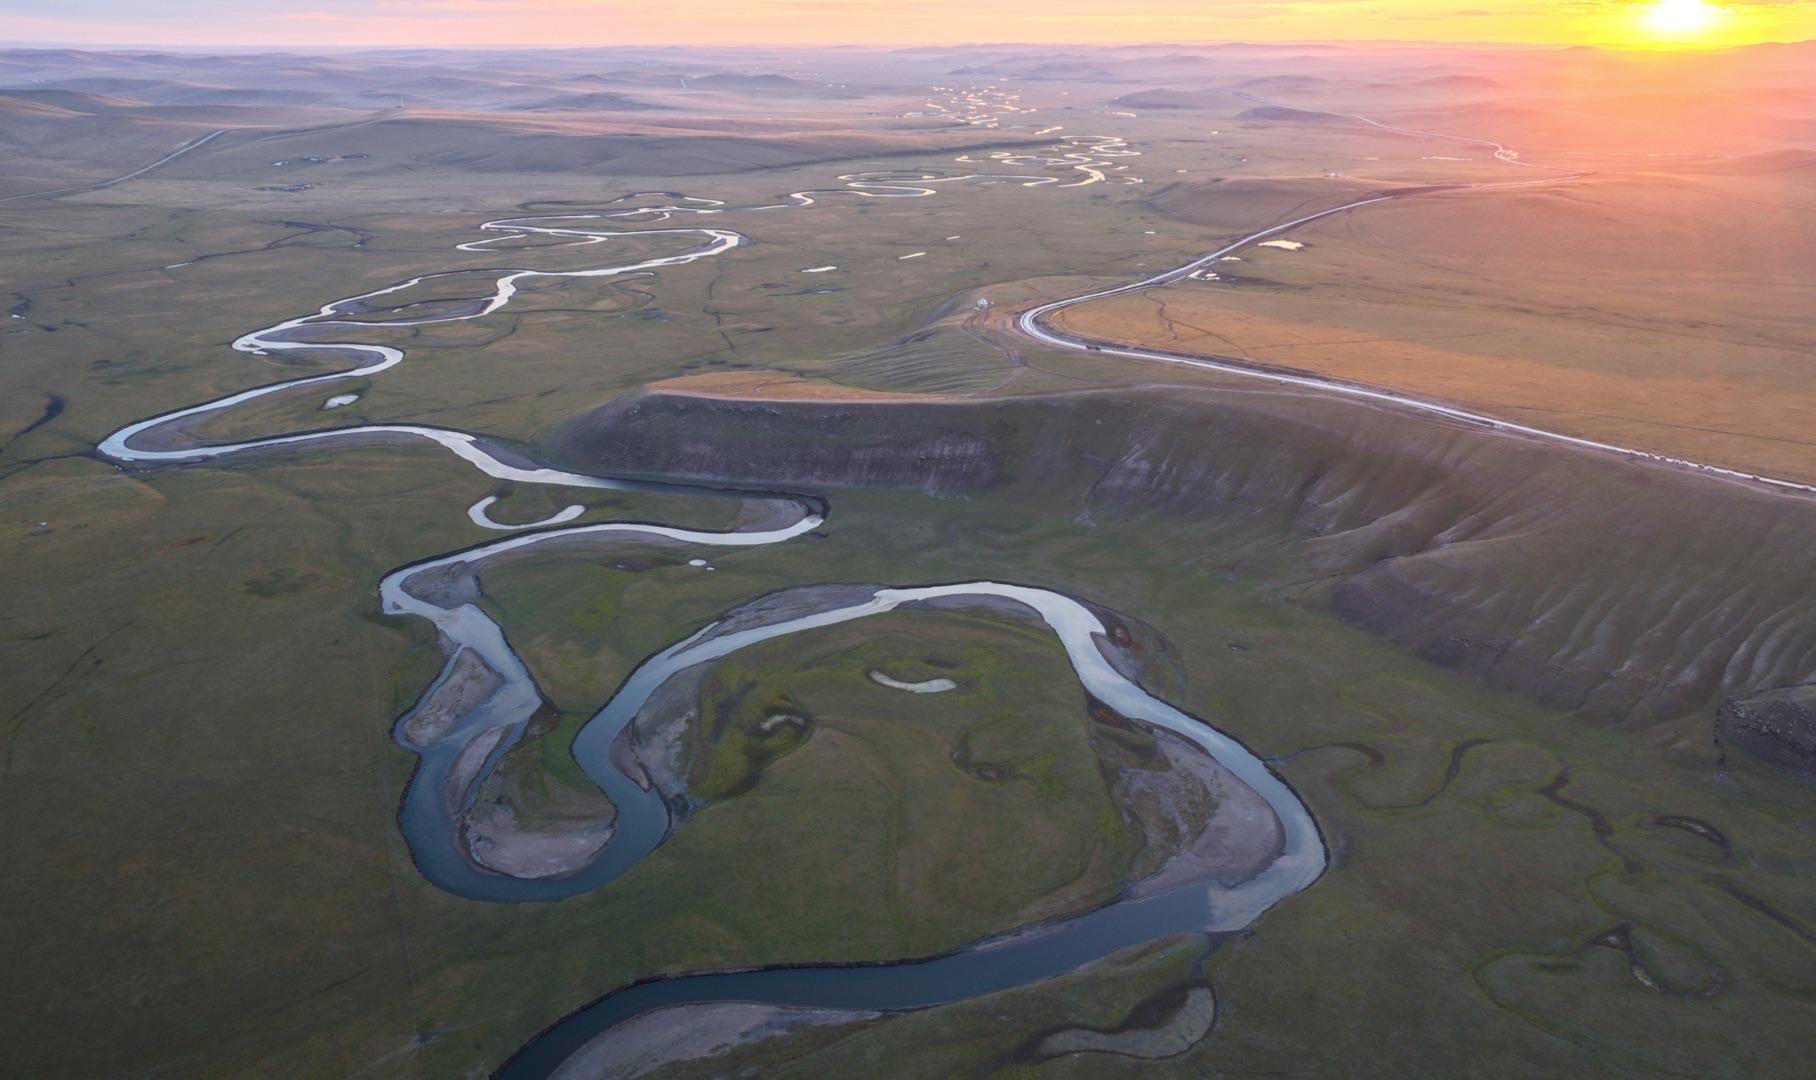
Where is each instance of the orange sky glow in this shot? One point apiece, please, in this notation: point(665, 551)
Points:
point(1657, 23)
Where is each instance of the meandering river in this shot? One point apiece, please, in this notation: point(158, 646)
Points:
point(457, 752)
point(462, 744)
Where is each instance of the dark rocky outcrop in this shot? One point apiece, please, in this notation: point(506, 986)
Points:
point(1589, 582)
point(1777, 727)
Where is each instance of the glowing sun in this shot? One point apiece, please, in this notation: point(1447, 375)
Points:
point(1680, 16)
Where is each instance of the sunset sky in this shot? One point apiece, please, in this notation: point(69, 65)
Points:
point(894, 22)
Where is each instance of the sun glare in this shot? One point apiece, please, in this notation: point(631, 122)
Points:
point(1680, 17)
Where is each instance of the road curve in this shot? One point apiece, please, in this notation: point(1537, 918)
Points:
point(1032, 322)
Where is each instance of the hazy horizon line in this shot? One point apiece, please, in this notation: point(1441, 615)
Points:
point(254, 46)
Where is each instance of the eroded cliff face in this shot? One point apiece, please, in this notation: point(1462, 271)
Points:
point(799, 443)
point(1589, 582)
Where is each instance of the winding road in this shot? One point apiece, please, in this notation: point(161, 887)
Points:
point(1033, 321)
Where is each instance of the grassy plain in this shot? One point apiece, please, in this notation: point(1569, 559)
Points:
point(1453, 907)
point(1669, 309)
point(205, 874)
point(1469, 897)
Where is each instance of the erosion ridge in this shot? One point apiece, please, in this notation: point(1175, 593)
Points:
point(1621, 590)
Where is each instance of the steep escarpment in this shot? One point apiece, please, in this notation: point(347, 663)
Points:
point(1589, 582)
point(839, 444)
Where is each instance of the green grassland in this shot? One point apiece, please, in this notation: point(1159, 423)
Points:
point(1454, 907)
point(947, 816)
point(1471, 900)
